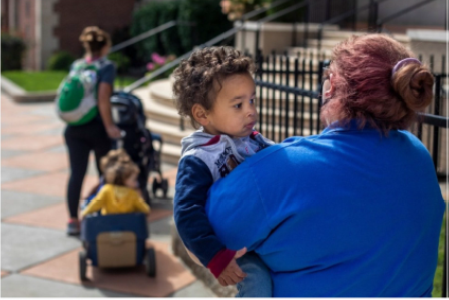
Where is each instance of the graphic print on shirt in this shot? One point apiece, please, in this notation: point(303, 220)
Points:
point(226, 162)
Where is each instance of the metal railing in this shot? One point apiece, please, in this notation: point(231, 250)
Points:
point(381, 22)
point(374, 24)
point(148, 34)
point(288, 95)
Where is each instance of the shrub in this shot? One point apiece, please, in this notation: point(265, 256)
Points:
point(145, 19)
point(121, 61)
point(170, 38)
point(209, 19)
point(13, 49)
point(157, 61)
point(121, 35)
point(60, 61)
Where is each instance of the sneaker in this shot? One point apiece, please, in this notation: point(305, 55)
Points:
point(73, 227)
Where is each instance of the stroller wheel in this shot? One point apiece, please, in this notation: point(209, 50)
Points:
point(82, 265)
point(164, 186)
point(155, 186)
point(150, 263)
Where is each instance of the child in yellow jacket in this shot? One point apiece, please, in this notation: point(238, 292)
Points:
point(119, 194)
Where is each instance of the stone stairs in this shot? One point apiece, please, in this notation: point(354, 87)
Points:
point(163, 118)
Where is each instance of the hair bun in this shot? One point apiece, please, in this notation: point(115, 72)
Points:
point(414, 84)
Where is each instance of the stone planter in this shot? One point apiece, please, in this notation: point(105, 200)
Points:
point(200, 272)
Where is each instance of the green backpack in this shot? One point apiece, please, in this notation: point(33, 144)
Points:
point(76, 102)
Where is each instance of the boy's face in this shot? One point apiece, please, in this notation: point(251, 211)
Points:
point(233, 112)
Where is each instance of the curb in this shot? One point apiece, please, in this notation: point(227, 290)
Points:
point(21, 96)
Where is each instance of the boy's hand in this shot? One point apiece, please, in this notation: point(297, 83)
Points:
point(232, 274)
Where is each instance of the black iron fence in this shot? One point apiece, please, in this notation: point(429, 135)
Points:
point(288, 95)
point(289, 102)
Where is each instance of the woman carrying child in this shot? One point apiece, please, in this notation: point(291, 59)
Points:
point(355, 211)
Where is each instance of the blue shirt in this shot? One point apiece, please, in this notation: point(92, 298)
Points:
point(345, 213)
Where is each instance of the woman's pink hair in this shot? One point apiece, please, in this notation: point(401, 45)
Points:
point(365, 89)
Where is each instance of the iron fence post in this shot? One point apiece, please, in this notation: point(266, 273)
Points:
point(306, 24)
point(256, 46)
point(243, 33)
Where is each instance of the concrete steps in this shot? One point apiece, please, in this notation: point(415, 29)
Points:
point(331, 38)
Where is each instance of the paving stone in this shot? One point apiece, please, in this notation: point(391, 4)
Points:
point(56, 216)
point(20, 118)
point(196, 289)
point(52, 217)
point(4, 137)
point(13, 173)
point(18, 285)
point(54, 131)
point(24, 246)
point(57, 149)
point(171, 275)
point(32, 143)
point(51, 184)
point(14, 203)
point(11, 153)
point(161, 230)
point(40, 161)
point(26, 129)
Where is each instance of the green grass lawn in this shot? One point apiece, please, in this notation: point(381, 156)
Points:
point(438, 281)
point(48, 80)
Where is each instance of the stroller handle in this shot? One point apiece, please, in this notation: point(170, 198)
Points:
point(119, 141)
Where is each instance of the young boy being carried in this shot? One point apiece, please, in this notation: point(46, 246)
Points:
point(215, 89)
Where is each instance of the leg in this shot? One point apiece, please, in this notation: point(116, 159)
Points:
point(101, 148)
point(101, 144)
point(78, 156)
point(258, 281)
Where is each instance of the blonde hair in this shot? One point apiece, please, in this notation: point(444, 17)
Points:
point(94, 39)
point(117, 167)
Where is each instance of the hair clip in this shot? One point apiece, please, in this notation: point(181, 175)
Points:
point(404, 62)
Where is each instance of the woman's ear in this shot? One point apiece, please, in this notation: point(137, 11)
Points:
point(199, 113)
point(328, 89)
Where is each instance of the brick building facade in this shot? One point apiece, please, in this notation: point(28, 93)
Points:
point(49, 26)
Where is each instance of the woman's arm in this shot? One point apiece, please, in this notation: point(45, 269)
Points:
point(237, 211)
point(104, 106)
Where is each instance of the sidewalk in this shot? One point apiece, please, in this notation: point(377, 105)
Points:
point(38, 259)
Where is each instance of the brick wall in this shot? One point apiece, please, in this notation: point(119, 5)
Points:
point(74, 15)
point(5, 20)
point(26, 14)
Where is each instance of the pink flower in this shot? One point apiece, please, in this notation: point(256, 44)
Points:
point(160, 60)
point(150, 66)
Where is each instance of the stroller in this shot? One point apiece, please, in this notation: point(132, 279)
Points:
point(128, 115)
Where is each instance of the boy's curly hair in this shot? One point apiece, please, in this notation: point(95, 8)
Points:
point(195, 76)
point(117, 166)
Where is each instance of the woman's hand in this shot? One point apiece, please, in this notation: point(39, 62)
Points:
point(113, 132)
point(232, 274)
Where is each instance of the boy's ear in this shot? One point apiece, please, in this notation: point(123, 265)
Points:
point(200, 114)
